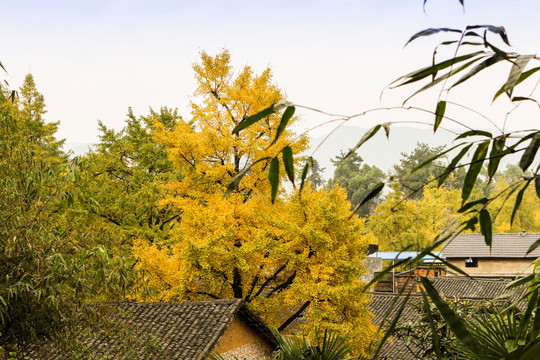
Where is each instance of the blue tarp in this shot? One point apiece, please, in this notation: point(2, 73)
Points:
point(404, 255)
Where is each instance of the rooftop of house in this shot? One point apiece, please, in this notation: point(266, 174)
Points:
point(384, 306)
point(503, 246)
point(404, 255)
point(181, 330)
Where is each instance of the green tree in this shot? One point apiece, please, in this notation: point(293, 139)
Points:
point(357, 178)
point(120, 183)
point(315, 176)
point(48, 274)
point(412, 183)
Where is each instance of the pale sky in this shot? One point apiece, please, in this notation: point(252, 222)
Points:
point(94, 59)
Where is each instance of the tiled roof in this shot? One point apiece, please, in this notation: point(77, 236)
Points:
point(477, 288)
point(182, 330)
point(384, 306)
point(503, 246)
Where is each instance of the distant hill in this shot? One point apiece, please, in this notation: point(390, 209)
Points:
point(378, 151)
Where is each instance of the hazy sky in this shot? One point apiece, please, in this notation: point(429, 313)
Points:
point(94, 59)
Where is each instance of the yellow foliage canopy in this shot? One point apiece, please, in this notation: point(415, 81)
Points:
point(301, 254)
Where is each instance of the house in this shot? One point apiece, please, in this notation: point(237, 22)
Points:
point(384, 307)
point(180, 330)
point(507, 256)
point(429, 265)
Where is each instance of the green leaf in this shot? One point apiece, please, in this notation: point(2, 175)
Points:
point(474, 133)
point(533, 246)
point(517, 69)
point(532, 352)
point(474, 169)
point(522, 77)
point(386, 127)
point(233, 185)
point(471, 204)
point(273, 177)
point(305, 170)
point(287, 115)
point(434, 333)
point(519, 198)
point(250, 120)
point(499, 30)
point(2, 66)
point(523, 98)
point(485, 227)
point(475, 70)
point(372, 193)
point(495, 155)
point(433, 158)
point(431, 31)
point(287, 154)
point(440, 78)
point(537, 185)
point(439, 114)
point(453, 164)
point(2, 97)
point(434, 69)
point(454, 322)
point(368, 135)
point(530, 152)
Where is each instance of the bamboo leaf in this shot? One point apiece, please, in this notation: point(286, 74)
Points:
point(431, 31)
point(522, 77)
point(386, 127)
point(233, 185)
point(515, 72)
point(495, 155)
point(434, 333)
point(433, 158)
point(530, 152)
point(485, 227)
point(439, 114)
point(467, 206)
point(474, 169)
point(483, 65)
point(454, 322)
point(499, 30)
point(430, 70)
point(524, 98)
point(250, 120)
point(533, 246)
point(368, 135)
point(372, 193)
point(287, 115)
point(287, 154)
point(519, 198)
point(305, 170)
point(474, 133)
point(453, 164)
point(273, 177)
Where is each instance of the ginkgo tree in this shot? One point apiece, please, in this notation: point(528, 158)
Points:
point(287, 254)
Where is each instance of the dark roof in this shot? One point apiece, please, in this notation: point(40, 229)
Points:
point(476, 288)
point(384, 306)
point(181, 330)
point(503, 246)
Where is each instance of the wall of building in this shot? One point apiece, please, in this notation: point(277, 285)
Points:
point(240, 341)
point(495, 266)
point(372, 265)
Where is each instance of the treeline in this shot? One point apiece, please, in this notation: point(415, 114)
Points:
point(416, 209)
point(143, 216)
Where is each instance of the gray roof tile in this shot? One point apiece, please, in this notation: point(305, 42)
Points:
point(503, 246)
point(183, 330)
